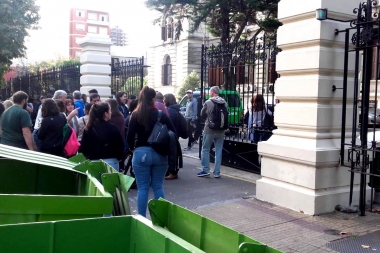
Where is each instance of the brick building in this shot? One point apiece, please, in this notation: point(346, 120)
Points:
point(83, 22)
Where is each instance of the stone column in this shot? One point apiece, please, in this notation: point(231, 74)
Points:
point(300, 163)
point(95, 68)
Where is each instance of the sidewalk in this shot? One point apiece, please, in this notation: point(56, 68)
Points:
point(225, 171)
point(287, 230)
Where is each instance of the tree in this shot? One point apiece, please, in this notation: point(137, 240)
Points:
point(191, 82)
point(132, 85)
point(226, 19)
point(50, 64)
point(16, 18)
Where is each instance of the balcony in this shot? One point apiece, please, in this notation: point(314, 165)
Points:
point(97, 22)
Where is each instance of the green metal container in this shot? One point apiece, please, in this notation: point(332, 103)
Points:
point(183, 232)
point(205, 234)
point(39, 187)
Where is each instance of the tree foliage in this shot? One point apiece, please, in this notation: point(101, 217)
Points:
point(132, 85)
point(16, 18)
point(226, 19)
point(191, 82)
point(50, 64)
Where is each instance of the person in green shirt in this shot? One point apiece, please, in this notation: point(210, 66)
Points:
point(16, 124)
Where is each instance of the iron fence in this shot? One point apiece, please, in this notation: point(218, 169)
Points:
point(127, 75)
point(45, 82)
point(245, 72)
point(362, 153)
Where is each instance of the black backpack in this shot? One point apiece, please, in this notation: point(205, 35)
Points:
point(219, 117)
point(159, 137)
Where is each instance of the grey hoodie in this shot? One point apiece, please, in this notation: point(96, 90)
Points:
point(206, 113)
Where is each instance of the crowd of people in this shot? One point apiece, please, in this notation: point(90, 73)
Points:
point(118, 128)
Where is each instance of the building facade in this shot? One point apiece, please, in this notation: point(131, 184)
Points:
point(83, 22)
point(175, 56)
point(118, 37)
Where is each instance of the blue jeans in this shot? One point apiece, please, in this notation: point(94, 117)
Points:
point(36, 140)
point(208, 139)
point(150, 169)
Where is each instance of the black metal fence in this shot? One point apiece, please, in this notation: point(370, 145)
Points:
point(245, 71)
point(127, 75)
point(363, 156)
point(45, 82)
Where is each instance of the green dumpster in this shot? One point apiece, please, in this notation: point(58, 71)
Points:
point(183, 231)
point(39, 187)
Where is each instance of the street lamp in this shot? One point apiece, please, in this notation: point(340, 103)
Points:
point(321, 14)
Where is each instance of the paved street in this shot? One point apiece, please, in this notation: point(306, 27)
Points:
point(193, 192)
point(231, 201)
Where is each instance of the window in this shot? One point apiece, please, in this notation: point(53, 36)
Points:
point(163, 33)
point(166, 72)
point(215, 75)
point(92, 29)
point(103, 18)
point(77, 54)
point(80, 14)
point(92, 16)
point(79, 27)
point(103, 30)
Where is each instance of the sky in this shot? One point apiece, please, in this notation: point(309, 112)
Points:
point(51, 40)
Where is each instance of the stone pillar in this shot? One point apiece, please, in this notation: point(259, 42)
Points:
point(95, 68)
point(300, 163)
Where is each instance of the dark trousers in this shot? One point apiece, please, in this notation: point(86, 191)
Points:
point(198, 129)
point(190, 130)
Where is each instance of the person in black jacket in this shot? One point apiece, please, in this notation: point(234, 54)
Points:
point(174, 115)
point(51, 131)
point(101, 139)
point(149, 166)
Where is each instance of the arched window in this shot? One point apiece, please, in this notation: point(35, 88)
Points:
point(166, 73)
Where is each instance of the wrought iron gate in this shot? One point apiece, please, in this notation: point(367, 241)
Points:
point(44, 82)
point(244, 71)
point(363, 155)
point(127, 75)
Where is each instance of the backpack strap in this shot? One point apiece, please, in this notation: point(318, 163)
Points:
point(159, 116)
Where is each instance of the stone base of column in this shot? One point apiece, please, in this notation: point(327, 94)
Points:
point(304, 179)
point(305, 200)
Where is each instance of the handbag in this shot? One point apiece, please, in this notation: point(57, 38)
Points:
point(159, 138)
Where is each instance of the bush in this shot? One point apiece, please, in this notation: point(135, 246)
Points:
point(191, 82)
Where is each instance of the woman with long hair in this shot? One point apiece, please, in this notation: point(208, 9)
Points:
point(50, 133)
point(117, 117)
point(101, 139)
point(149, 166)
point(73, 122)
point(256, 117)
point(121, 99)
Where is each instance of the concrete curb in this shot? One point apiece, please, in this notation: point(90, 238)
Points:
point(231, 172)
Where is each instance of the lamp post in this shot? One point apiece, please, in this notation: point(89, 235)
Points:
point(322, 14)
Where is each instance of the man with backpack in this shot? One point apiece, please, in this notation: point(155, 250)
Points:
point(215, 114)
